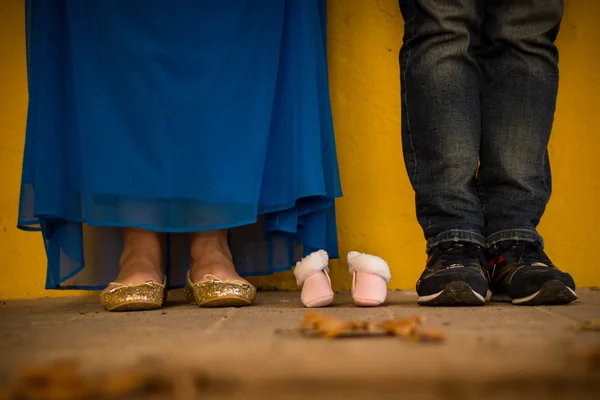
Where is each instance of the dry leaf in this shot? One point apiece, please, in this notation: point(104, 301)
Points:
point(124, 383)
point(402, 326)
point(325, 326)
point(63, 381)
point(58, 371)
point(58, 381)
point(406, 328)
point(331, 327)
point(588, 326)
point(431, 335)
point(310, 321)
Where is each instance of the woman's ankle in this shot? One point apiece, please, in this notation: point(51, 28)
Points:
point(210, 255)
point(142, 256)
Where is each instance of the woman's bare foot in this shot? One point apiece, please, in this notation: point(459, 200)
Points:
point(141, 260)
point(210, 255)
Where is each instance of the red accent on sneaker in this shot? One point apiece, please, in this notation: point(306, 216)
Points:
point(493, 263)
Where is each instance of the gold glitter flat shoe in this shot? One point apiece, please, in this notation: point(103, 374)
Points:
point(213, 292)
point(134, 296)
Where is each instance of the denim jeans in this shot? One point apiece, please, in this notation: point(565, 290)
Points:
point(479, 85)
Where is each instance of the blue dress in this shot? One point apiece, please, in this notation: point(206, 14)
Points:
point(180, 116)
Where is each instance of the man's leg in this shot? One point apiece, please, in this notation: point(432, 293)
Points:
point(520, 67)
point(441, 134)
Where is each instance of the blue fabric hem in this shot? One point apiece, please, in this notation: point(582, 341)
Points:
point(22, 225)
point(26, 228)
point(72, 274)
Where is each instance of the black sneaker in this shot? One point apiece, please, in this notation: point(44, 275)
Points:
point(455, 275)
point(523, 274)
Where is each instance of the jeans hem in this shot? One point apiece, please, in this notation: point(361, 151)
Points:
point(455, 235)
point(526, 235)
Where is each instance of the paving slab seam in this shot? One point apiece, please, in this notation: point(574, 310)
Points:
point(548, 311)
point(219, 322)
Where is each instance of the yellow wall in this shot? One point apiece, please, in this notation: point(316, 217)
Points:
point(377, 213)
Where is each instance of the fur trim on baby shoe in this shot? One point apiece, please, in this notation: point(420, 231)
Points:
point(311, 264)
point(361, 262)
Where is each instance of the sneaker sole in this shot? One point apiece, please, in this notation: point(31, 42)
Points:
point(551, 293)
point(454, 294)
